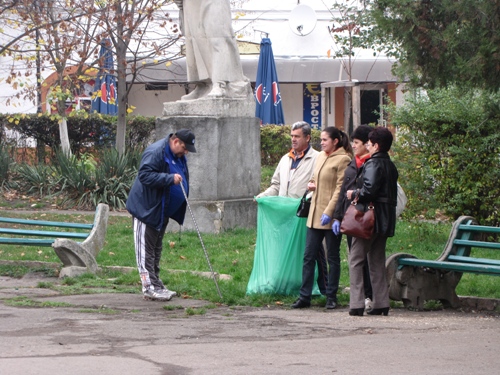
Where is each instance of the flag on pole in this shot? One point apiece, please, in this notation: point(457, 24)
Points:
point(267, 91)
point(105, 84)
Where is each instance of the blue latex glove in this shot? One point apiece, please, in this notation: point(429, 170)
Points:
point(336, 227)
point(325, 219)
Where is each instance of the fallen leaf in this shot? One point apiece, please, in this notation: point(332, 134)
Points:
point(182, 257)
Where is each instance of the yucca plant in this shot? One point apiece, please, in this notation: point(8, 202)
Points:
point(76, 175)
point(114, 176)
point(37, 179)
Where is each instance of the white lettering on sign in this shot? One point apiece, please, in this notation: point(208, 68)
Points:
point(314, 112)
point(312, 104)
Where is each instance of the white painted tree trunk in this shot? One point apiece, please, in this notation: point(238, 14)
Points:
point(63, 135)
point(356, 106)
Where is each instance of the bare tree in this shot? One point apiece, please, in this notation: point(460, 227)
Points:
point(52, 34)
point(68, 34)
point(142, 34)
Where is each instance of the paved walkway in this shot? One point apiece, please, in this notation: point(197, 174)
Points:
point(124, 334)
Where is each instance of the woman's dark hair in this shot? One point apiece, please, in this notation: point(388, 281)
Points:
point(344, 140)
point(361, 133)
point(381, 136)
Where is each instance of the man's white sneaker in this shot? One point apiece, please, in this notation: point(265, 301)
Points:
point(368, 304)
point(169, 294)
point(155, 295)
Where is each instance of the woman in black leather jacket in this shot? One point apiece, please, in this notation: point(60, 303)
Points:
point(376, 182)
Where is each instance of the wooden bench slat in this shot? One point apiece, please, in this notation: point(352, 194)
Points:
point(452, 266)
point(40, 233)
point(457, 258)
point(76, 248)
point(479, 228)
point(415, 281)
point(27, 241)
point(480, 244)
point(46, 223)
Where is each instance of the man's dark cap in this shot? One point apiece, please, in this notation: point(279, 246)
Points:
point(187, 137)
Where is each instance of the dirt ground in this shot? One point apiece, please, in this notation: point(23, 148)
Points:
point(113, 333)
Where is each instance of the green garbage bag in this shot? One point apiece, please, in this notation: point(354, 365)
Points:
point(279, 251)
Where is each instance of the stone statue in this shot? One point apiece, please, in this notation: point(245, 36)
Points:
point(212, 57)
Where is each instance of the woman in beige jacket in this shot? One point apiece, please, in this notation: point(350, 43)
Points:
point(327, 180)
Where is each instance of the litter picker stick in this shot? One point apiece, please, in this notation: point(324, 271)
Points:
point(201, 240)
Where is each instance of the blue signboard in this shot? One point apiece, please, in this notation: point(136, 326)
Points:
point(312, 104)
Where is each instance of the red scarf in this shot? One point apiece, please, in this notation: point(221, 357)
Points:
point(361, 160)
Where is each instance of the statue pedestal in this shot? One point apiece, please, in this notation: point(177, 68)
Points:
point(224, 173)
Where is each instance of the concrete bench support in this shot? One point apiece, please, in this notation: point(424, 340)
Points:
point(415, 281)
point(79, 258)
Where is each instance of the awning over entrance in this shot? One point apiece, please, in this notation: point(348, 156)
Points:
point(290, 70)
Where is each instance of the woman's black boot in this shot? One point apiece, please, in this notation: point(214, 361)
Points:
point(356, 312)
point(383, 311)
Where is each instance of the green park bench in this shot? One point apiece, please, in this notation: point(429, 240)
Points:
point(415, 281)
point(77, 247)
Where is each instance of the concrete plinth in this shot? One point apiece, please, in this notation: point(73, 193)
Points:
point(211, 107)
point(218, 216)
point(224, 173)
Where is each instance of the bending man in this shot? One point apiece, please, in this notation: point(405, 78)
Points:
point(155, 197)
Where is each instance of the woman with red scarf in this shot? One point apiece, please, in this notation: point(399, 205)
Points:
point(359, 138)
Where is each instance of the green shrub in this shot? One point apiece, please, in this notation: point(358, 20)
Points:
point(84, 130)
point(448, 152)
point(139, 130)
point(275, 141)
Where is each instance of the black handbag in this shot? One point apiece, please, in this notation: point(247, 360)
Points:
point(304, 206)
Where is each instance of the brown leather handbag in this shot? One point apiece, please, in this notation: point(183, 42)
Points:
point(359, 220)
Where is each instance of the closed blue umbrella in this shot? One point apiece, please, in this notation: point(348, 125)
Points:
point(105, 84)
point(267, 92)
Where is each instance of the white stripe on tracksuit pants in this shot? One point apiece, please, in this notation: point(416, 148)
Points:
point(148, 247)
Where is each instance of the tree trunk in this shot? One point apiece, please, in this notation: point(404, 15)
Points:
point(121, 126)
point(347, 109)
point(63, 134)
point(356, 106)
